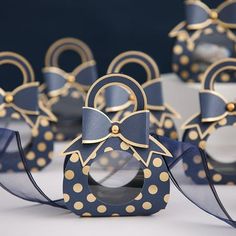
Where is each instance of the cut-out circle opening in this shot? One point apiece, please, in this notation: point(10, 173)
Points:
point(69, 60)
point(116, 177)
point(210, 48)
point(221, 149)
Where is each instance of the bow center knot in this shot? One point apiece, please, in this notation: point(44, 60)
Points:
point(214, 15)
point(115, 129)
point(71, 78)
point(132, 97)
point(9, 98)
point(230, 107)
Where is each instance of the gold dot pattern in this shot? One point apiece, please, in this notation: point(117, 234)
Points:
point(164, 176)
point(78, 205)
point(157, 162)
point(130, 209)
point(69, 174)
point(147, 205)
point(77, 188)
point(74, 157)
point(101, 209)
point(152, 189)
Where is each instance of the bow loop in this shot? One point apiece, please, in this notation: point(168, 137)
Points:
point(199, 15)
point(57, 80)
point(117, 98)
point(133, 129)
point(24, 99)
point(213, 106)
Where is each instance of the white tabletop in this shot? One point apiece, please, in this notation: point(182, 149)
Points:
point(22, 218)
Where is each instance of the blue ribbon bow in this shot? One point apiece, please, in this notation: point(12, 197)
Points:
point(199, 15)
point(133, 130)
point(58, 81)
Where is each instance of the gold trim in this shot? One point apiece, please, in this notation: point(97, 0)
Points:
point(82, 49)
point(165, 152)
point(211, 67)
point(116, 68)
point(120, 84)
point(202, 135)
point(112, 122)
point(18, 65)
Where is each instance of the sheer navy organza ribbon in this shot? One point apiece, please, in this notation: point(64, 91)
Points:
point(24, 186)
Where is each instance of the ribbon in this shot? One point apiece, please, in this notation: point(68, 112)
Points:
point(199, 15)
point(58, 81)
point(118, 98)
point(97, 128)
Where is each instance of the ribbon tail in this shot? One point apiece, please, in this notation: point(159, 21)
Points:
point(202, 195)
point(21, 185)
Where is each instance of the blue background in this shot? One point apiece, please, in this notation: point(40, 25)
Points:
point(109, 27)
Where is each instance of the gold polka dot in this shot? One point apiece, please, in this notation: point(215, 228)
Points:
point(152, 189)
point(44, 122)
point(48, 135)
point(78, 188)
point(101, 209)
point(223, 122)
point(34, 169)
point(197, 159)
point(139, 197)
point(15, 116)
point(115, 214)
point(124, 146)
point(202, 144)
point(75, 94)
point(41, 147)
point(168, 124)
point(201, 174)
point(104, 161)
point(185, 166)
point(193, 135)
point(147, 205)
point(86, 214)
point(69, 174)
point(173, 135)
point(50, 155)
point(184, 60)
point(3, 113)
point(20, 166)
point(157, 162)
point(78, 205)
point(130, 209)
point(74, 157)
point(217, 177)
point(194, 68)
point(208, 31)
point(85, 170)
point(166, 198)
point(114, 155)
point(178, 49)
point(160, 132)
point(225, 77)
point(175, 67)
point(147, 173)
point(66, 197)
point(91, 198)
point(30, 156)
point(35, 132)
point(184, 74)
point(41, 162)
point(59, 137)
point(164, 176)
point(108, 149)
point(182, 36)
